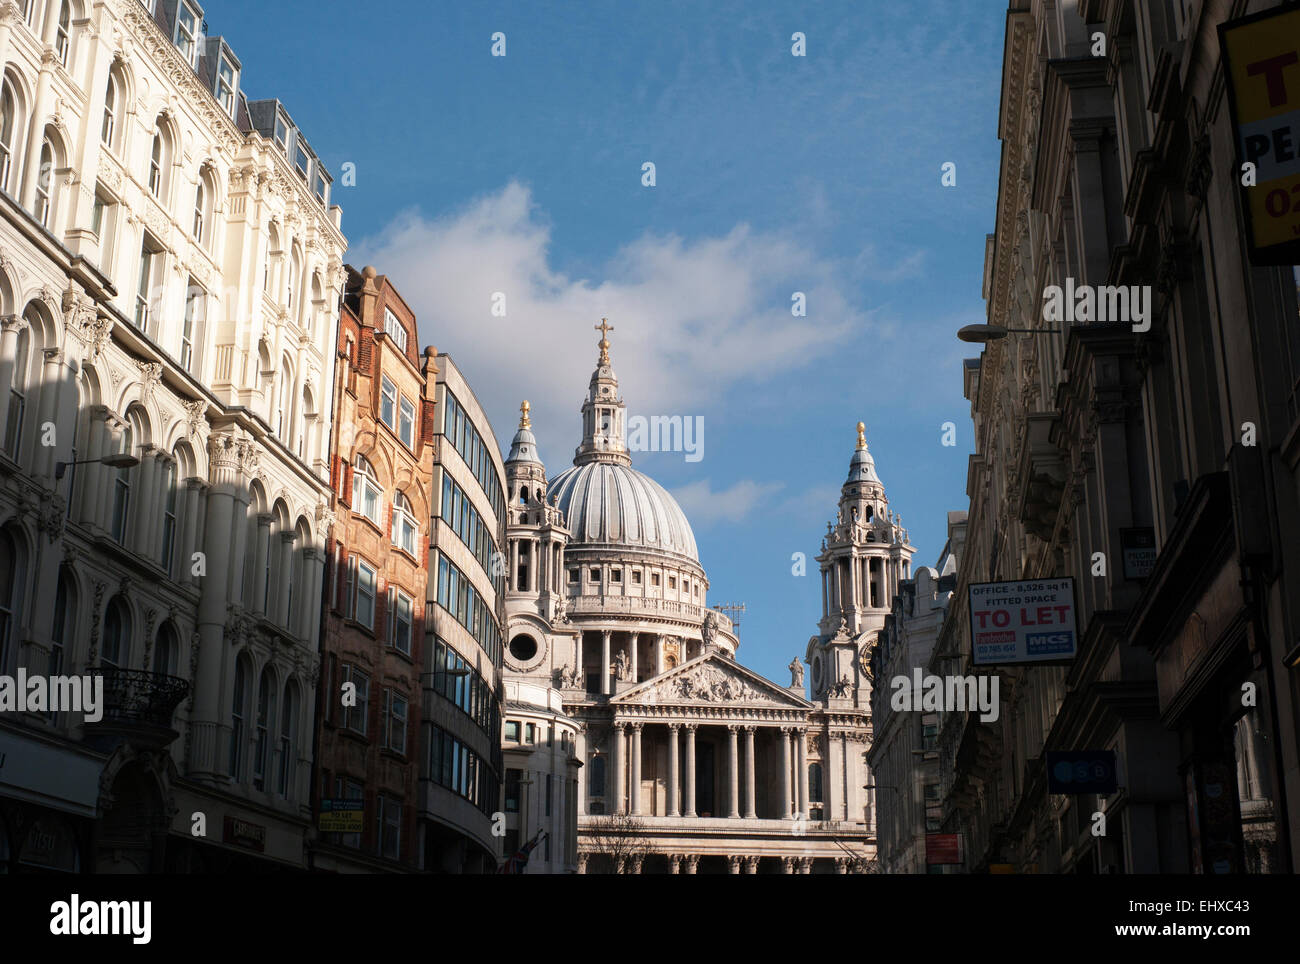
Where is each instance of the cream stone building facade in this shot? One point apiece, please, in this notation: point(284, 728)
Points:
point(169, 268)
point(677, 758)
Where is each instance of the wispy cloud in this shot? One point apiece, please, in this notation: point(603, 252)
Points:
point(735, 503)
point(693, 318)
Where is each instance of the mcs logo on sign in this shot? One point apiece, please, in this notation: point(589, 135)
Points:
point(1042, 644)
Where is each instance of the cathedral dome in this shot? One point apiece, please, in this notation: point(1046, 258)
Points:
point(611, 503)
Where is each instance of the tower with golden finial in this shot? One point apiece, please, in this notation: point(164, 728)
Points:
point(604, 417)
point(864, 558)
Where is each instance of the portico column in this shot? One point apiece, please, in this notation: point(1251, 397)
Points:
point(692, 863)
point(636, 639)
point(673, 733)
point(787, 865)
point(674, 863)
point(604, 661)
point(801, 771)
point(690, 772)
point(733, 763)
point(617, 753)
point(785, 773)
point(636, 769)
point(750, 813)
point(733, 864)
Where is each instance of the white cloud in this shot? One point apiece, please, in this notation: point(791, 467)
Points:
point(692, 318)
point(704, 506)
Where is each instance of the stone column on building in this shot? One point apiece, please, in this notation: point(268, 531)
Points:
point(604, 661)
point(841, 865)
point(750, 812)
point(832, 775)
point(805, 865)
point(146, 508)
point(787, 865)
point(52, 391)
point(634, 864)
point(514, 566)
point(733, 864)
point(689, 808)
point(674, 732)
point(206, 717)
point(312, 565)
point(733, 768)
point(659, 654)
point(285, 564)
point(692, 863)
point(751, 864)
point(634, 645)
point(260, 553)
point(582, 862)
point(578, 669)
point(103, 478)
point(11, 326)
point(90, 472)
point(674, 863)
point(617, 755)
point(801, 770)
point(786, 813)
point(848, 771)
point(635, 807)
point(193, 503)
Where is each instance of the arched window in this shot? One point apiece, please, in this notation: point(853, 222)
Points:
point(62, 37)
point(365, 489)
point(109, 126)
point(200, 203)
point(265, 715)
point(117, 634)
point(238, 714)
point(288, 739)
point(596, 782)
point(122, 490)
point(18, 394)
point(45, 184)
point(405, 527)
point(11, 589)
point(156, 164)
point(8, 121)
point(165, 648)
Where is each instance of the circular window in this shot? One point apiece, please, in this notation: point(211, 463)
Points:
point(523, 648)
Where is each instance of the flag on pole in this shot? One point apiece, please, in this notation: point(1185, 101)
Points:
point(515, 863)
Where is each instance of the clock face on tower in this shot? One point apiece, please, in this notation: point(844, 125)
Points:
point(864, 660)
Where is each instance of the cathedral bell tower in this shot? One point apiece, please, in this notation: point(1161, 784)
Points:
point(535, 534)
point(604, 417)
point(865, 555)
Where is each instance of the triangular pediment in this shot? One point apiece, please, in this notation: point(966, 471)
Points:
point(711, 679)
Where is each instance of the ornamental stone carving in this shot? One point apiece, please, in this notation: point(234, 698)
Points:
point(708, 684)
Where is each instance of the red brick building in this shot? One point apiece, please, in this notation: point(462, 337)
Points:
point(381, 456)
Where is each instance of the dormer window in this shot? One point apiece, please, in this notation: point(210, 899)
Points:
point(226, 85)
point(281, 134)
point(394, 330)
point(187, 32)
point(301, 160)
point(322, 186)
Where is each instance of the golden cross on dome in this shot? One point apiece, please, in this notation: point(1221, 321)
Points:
point(862, 436)
point(524, 421)
point(604, 328)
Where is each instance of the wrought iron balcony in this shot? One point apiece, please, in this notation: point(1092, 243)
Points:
point(134, 698)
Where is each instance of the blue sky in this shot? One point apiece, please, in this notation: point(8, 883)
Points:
point(774, 174)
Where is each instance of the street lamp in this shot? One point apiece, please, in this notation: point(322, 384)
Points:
point(120, 460)
point(987, 333)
